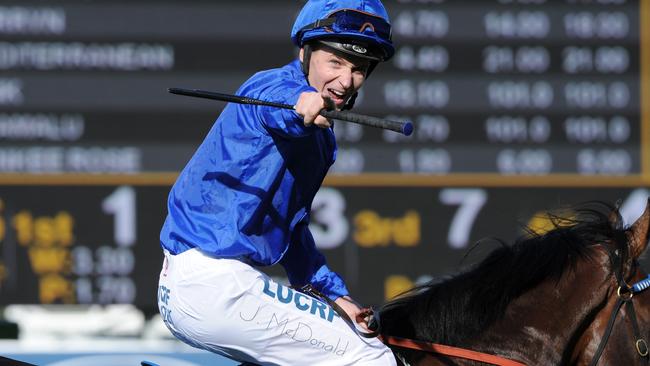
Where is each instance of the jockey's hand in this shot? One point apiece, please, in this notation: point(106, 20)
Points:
point(351, 308)
point(309, 106)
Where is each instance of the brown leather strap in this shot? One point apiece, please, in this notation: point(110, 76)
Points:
point(608, 332)
point(448, 351)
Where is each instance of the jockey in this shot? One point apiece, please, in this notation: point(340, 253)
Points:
point(244, 200)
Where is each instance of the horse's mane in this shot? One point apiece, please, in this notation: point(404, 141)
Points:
point(459, 308)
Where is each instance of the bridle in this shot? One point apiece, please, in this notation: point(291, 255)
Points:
point(625, 293)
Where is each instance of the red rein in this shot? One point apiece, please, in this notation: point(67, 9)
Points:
point(448, 351)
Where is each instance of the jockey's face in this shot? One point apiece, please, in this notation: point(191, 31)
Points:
point(336, 75)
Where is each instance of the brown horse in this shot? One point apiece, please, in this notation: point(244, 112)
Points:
point(560, 298)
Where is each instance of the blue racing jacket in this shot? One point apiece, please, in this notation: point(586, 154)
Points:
point(247, 191)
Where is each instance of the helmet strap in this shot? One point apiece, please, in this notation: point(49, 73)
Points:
point(306, 57)
point(371, 67)
point(350, 103)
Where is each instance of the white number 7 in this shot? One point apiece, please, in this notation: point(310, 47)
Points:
point(470, 202)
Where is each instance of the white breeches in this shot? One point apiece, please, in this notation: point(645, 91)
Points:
point(230, 308)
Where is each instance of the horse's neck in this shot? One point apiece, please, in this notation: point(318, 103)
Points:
point(548, 319)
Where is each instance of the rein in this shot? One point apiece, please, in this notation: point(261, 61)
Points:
point(625, 294)
point(442, 349)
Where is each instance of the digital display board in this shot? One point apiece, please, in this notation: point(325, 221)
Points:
point(518, 106)
point(99, 244)
point(492, 87)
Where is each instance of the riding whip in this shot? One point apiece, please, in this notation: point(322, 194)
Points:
point(405, 128)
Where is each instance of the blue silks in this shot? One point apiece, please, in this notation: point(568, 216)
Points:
point(247, 191)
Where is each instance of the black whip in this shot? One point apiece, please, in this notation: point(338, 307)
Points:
point(405, 128)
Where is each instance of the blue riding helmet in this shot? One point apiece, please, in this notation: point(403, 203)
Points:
point(357, 27)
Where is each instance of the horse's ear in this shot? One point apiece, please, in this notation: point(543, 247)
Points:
point(615, 216)
point(638, 233)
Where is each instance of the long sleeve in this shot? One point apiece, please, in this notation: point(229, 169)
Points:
point(284, 121)
point(281, 121)
point(305, 264)
point(252, 180)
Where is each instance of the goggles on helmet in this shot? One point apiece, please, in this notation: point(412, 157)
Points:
point(350, 20)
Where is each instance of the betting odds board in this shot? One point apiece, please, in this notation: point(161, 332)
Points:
point(519, 106)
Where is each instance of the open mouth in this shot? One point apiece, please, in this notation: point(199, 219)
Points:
point(339, 98)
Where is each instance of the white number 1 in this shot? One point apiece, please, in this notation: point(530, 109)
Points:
point(121, 203)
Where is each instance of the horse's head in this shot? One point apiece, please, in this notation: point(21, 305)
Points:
point(546, 299)
point(619, 332)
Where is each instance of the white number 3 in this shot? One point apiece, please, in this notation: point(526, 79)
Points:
point(329, 225)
